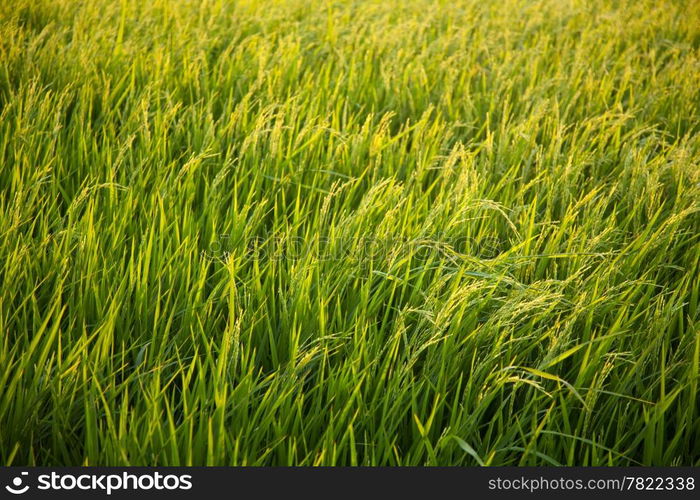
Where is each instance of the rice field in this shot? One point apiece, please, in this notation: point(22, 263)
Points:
point(304, 232)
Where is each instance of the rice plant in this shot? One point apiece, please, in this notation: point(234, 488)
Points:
point(378, 232)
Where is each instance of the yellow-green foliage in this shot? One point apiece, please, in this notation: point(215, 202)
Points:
point(349, 232)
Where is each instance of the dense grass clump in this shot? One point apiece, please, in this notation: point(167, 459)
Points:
point(349, 232)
